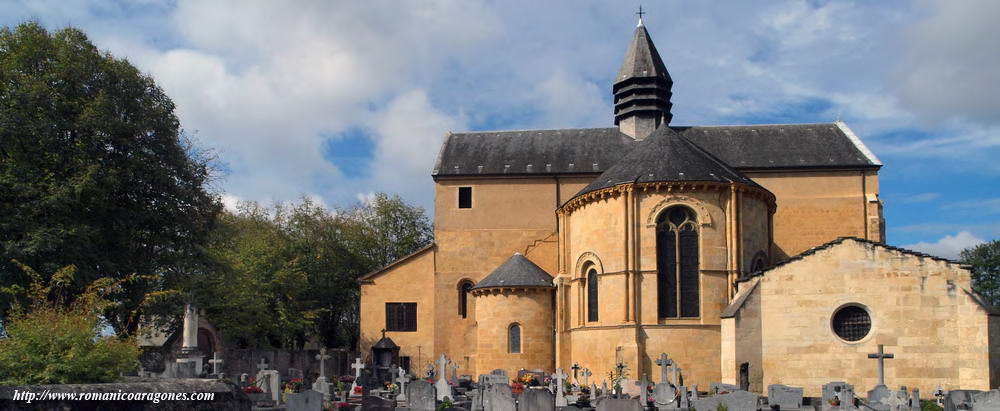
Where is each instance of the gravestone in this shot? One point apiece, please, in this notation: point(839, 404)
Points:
point(498, 397)
point(604, 389)
point(493, 379)
point(498, 371)
point(216, 364)
point(630, 388)
point(322, 385)
point(477, 398)
point(683, 399)
point(420, 396)
point(877, 396)
point(558, 378)
point(401, 379)
point(665, 396)
point(664, 362)
point(186, 369)
point(959, 399)
point(720, 388)
point(986, 401)
point(357, 366)
point(619, 404)
point(304, 401)
point(788, 398)
point(838, 394)
point(736, 400)
point(643, 386)
point(441, 386)
point(536, 400)
point(374, 403)
point(586, 376)
point(270, 382)
point(295, 373)
point(915, 400)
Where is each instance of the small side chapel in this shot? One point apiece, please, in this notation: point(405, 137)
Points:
point(751, 254)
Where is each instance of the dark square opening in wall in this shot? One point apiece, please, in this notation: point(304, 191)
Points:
point(465, 197)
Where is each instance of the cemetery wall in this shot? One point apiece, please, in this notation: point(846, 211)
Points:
point(748, 331)
point(919, 311)
point(815, 207)
point(401, 283)
point(497, 310)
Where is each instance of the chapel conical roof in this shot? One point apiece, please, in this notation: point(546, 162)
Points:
point(642, 59)
point(642, 87)
point(517, 271)
point(668, 157)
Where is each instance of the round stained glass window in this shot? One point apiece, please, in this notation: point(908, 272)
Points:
point(852, 323)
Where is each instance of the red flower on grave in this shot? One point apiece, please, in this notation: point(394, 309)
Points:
point(253, 389)
point(358, 389)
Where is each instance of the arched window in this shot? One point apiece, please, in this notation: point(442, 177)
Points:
point(759, 262)
point(677, 263)
point(514, 338)
point(463, 297)
point(592, 294)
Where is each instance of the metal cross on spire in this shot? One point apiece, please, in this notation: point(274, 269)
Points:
point(640, 13)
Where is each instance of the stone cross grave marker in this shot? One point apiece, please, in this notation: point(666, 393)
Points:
point(664, 362)
point(454, 372)
point(643, 386)
point(308, 400)
point(262, 365)
point(402, 379)
point(558, 378)
point(784, 396)
point(880, 393)
point(684, 399)
point(576, 371)
point(675, 370)
point(321, 384)
point(442, 387)
point(357, 366)
point(322, 357)
point(215, 361)
point(586, 376)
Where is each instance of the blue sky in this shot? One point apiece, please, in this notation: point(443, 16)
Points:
point(335, 100)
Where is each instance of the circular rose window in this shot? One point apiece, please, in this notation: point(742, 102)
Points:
point(852, 323)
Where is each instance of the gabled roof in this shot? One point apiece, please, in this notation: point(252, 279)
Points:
point(642, 59)
point(517, 271)
point(419, 251)
point(666, 156)
point(741, 299)
point(838, 241)
point(594, 150)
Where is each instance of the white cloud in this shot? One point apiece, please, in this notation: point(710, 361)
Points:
point(917, 198)
point(948, 246)
point(231, 202)
point(950, 64)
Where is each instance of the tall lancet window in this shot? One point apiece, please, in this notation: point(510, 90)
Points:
point(592, 294)
point(677, 263)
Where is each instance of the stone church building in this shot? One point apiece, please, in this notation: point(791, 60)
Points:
point(751, 253)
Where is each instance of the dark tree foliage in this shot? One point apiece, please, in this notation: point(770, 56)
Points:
point(288, 273)
point(985, 262)
point(94, 170)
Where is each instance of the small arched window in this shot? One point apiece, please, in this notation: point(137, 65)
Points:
point(592, 291)
point(759, 262)
point(677, 265)
point(514, 338)
point(463, 297)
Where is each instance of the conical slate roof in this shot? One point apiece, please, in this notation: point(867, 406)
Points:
point(642, 59)
point(669, 157)
point(518, 271)
point(386, 343)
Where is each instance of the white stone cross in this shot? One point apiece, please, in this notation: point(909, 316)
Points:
point(322, 357)
point(215, 361)
point(643, 385)
point(357, 366)
point(262, 366)
point(664, 362)
point(442, 387)
point(402, 380)
point(454, 372)
point(586, 376)
point(559, 377)
point(675, 370)
point(881, 356)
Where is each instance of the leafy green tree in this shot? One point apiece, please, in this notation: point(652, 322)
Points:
point(95, 172)
point(985, 262)
point(53, 341)
point(288, 273)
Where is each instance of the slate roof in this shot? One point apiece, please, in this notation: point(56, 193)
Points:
point(666, 156)
point(517, 271)
point(642, 59)
point(595, 150)
point(386, 343)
